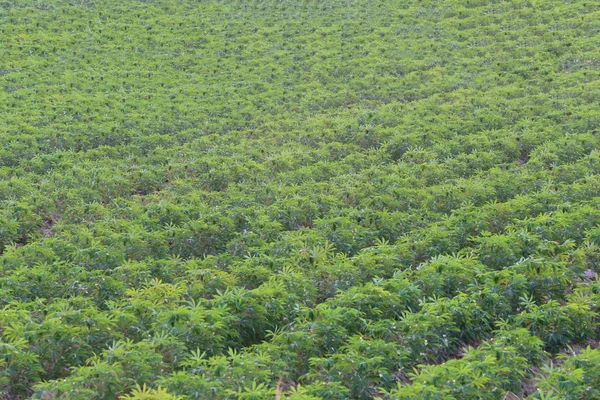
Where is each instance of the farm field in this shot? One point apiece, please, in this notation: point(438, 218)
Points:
point(299, 199)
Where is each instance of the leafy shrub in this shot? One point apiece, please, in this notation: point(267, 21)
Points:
point(575, 378)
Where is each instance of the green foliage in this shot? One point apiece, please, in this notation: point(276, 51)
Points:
point(576, 377)
point(559, 325)
point(299, 199)
point(490, 371)
point(144, 393)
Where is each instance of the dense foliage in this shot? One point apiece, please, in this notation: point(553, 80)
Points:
point(301, 199)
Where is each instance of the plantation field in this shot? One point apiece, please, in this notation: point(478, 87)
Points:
point(299, 199)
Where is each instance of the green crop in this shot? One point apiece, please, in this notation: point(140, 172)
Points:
point(299, 199)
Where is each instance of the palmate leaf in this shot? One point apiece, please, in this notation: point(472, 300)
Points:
point(145, 393)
